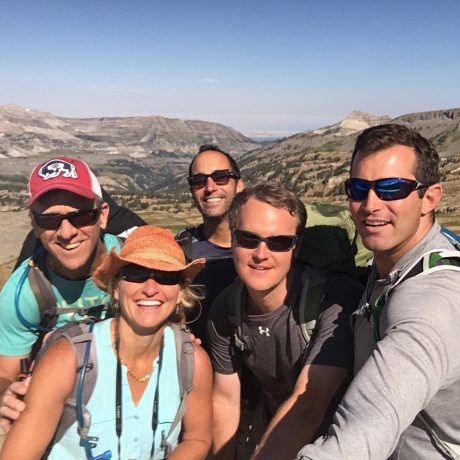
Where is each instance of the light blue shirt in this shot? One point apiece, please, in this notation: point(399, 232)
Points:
point(137, 436)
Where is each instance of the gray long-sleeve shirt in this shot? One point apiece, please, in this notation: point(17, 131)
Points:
point(415, 366)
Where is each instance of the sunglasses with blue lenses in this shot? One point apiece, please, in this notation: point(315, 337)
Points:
point(138, 274)
point(278, 243)
point(389, 189)
point(80, 218)
point(219, 177)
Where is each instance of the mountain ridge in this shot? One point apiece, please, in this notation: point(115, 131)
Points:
point(150, 155)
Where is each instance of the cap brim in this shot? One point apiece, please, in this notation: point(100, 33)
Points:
point(85, 193)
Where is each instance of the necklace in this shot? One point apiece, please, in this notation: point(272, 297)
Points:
point(117, 350)
point(135, 377)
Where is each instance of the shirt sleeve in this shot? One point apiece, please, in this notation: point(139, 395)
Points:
point(416, 357)
point(332, 341)
point(16, 339)
point(224, 356)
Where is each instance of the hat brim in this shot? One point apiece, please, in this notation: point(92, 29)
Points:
point(85, 193)
point(112, 264)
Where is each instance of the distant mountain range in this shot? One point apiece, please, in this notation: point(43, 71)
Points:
point(151, 154)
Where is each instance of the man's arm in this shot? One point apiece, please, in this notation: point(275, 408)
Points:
point(300, 417)
point(323, 379)
point(226, 410)
point(418, 355)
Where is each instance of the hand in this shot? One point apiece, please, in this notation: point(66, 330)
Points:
point(196, 340)
point(11, 403)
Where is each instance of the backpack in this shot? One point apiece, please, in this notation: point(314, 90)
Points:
point(80, 336)
point(429, 262)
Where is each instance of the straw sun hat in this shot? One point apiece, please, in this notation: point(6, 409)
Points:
point(150, 247)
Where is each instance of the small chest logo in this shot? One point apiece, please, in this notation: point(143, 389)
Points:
point(264, 331)
point(55, 168)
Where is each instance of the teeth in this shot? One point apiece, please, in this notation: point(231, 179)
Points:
point(149, 303)
point(378, 223)
point(213, 199)
point(70, 246)
point(259, 268)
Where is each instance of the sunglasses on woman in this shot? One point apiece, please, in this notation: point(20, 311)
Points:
point(80, 218)
point(138, 274)
point(219, 177)
point(390, 189)
point(278, 243)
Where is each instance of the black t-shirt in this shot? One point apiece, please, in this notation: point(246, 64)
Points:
point(275, 345)
point(218, 273)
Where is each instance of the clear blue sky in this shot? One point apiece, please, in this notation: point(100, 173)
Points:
point(255, 65)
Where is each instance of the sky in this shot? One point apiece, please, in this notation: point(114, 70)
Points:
point(263, 67)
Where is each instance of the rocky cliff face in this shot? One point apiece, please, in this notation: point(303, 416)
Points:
point(26, 132)
point(356, 121)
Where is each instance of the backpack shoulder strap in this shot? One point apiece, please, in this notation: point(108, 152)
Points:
point(236, 295)
point(185, 238)
point(185, 356)
point(310, 299)
point(431, 261)
point(43, 290)
point(450, 450)
point(80, 336)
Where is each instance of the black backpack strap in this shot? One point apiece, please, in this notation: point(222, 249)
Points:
point(185, 356)
point(185, 238)
point(236, 299)
point(310, 300)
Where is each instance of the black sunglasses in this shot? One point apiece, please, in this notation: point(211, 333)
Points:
point(219, 177)
point(138, 274)
point(389, 189)
point(278, 243)
point(80, 218)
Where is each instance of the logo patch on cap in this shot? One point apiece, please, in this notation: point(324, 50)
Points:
point(55, 168)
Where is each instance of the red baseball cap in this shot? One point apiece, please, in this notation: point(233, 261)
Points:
point(63, 173)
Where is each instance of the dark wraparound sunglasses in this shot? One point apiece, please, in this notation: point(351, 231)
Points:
point(390, 189)
point(219, 177)
point(138, 274)
point(278, 243)
point(80, 218)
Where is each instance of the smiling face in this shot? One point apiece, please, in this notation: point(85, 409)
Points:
point(391, 228)
point(264, 272)
point(73, 252)
point(146, 306)
point(212, 200)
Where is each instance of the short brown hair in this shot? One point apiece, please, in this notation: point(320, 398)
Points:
point(381, 137)
point(275, 195)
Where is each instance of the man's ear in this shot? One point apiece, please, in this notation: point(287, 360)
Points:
point(104, 217)
point(431, 198)
point(239, 185)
